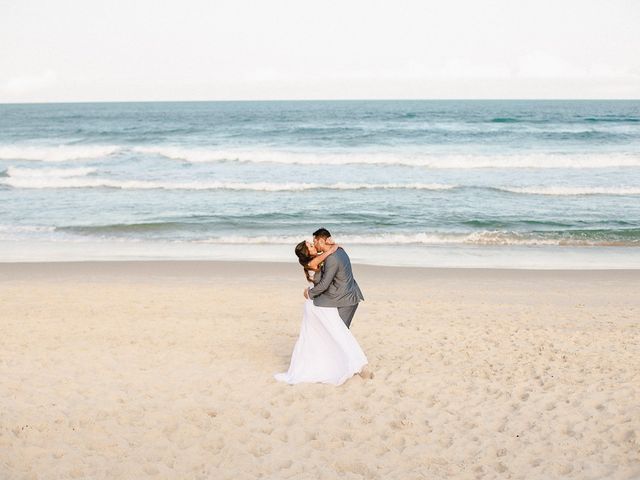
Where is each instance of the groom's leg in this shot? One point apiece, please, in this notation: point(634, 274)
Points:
point(347, 313)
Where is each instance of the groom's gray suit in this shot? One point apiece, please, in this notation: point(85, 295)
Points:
point(337, 287)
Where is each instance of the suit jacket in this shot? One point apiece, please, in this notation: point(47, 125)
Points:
point(337, 287)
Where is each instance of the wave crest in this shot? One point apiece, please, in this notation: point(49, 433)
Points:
point(80, 178)
point(63, 180)
point(59, 153)
point(16, 172)
point(572, 191)
point(485, 237)
point(457, 161)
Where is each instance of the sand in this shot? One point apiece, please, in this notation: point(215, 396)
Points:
point(136, 370)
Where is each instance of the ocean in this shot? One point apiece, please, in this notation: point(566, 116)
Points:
point(504, 183)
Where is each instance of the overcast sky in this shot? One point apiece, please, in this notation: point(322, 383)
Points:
point(70, 50)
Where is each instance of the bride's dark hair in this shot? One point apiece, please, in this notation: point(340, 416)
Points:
point(304, 257)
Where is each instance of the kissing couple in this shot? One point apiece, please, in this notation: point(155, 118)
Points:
point(326, 351)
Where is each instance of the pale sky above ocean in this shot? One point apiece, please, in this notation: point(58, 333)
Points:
point(225, 50)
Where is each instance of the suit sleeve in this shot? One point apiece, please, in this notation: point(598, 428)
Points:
point(330, 270)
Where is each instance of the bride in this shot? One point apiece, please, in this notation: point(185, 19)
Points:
point(326, 351)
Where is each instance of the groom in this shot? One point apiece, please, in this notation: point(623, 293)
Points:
point(337, 287)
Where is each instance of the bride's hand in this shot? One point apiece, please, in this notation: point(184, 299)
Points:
point(333, 249)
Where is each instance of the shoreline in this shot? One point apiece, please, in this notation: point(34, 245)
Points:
point(409, 256)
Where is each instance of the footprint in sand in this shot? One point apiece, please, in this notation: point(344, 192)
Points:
point(259, 450)
point(365, 420)
point(500, 467)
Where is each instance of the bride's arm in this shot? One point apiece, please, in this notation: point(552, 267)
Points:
point(330, 271)
point(315, 263)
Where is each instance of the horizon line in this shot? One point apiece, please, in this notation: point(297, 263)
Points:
point(329, 100)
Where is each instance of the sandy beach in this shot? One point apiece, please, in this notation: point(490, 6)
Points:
point(133, 370)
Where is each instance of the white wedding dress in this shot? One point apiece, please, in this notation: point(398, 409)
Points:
point(326, 351)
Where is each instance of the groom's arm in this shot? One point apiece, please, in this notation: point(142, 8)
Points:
point(330, 270)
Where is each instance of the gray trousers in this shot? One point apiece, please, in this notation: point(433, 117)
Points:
point(347, 313)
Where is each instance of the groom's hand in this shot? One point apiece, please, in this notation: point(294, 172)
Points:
point(306, 293)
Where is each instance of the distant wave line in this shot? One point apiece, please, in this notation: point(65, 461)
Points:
point(78, 178)
point(572, 191)
point(15, 172)
point(63, 153)
point(37, 182)
point(56, 153)
point(451, 161)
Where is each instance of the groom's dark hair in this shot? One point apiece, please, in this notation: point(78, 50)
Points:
point(321, 233)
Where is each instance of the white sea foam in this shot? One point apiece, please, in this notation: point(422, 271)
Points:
point(25, 228)
point(79, 178)
point(16, 172)
point(457, 161)
point(43, 178)
point(63, 153)
point(18, 232)
point(571, 191)
point(485, 238)
point(59, 180)
point(60, 153)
